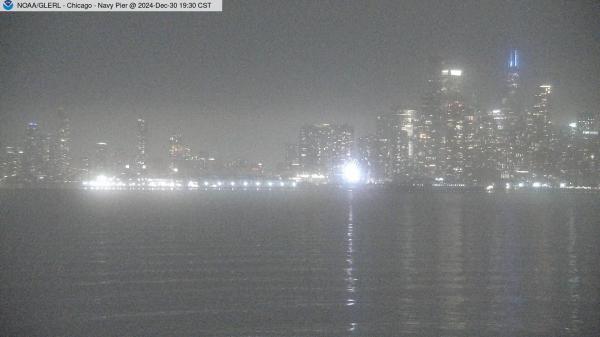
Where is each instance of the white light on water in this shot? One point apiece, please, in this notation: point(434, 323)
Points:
point(351, 172)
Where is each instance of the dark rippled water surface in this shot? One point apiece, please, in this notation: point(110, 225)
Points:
point(299, 263)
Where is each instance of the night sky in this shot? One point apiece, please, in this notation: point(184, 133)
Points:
point(240, 83)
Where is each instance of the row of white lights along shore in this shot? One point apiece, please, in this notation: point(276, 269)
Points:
point(351, 174)
point(103, 182)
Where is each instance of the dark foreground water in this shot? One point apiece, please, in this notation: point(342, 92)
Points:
point(375, 263)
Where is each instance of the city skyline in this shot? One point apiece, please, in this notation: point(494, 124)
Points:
point(141, 134)
point(447, 140)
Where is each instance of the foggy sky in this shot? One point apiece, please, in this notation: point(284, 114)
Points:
point(240, 83)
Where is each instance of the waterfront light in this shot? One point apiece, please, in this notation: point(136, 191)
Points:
point(351, 172)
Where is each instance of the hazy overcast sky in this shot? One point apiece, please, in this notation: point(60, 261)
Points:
point(240, 83)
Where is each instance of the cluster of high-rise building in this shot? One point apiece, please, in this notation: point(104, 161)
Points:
point(42, 157)
point(447, 140)
point(184, 163)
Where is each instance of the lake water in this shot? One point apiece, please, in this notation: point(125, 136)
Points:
point(299, 263)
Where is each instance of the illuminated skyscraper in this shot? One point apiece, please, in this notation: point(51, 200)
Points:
point(142, 138)
point(177, 153)
point(380, 154)
point(33, 156)
point(427, 128)
point(13, 159)
point(539, 133)
point(394, 147)
point(365, 153)
point(444, 129)
point(100, 161)
point(587, 149)
point(62, 157)
point(511, 140)
point(487, 151)
point(453, 148)
point(291, 157)
point(322, 148)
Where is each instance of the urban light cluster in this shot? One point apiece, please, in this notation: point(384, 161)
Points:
point(449, 142)
point(446, 141)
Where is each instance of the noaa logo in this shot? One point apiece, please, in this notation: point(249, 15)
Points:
point(8, 5)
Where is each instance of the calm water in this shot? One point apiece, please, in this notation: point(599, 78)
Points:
point(373, 263)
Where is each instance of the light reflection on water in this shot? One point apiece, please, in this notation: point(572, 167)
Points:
point(364, 263)
point(350, 279)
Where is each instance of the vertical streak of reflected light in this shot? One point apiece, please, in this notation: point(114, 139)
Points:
point(350, 277)
point(573, 274)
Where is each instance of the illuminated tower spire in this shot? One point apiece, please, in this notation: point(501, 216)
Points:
point(513, 61)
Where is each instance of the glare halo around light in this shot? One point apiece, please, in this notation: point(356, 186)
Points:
point(351, 172)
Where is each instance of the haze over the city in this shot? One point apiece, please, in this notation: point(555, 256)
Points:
point(240, 83)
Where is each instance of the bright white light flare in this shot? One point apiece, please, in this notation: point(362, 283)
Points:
point(351, 172)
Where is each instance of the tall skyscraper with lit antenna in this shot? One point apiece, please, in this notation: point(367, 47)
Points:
point(511, 133)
